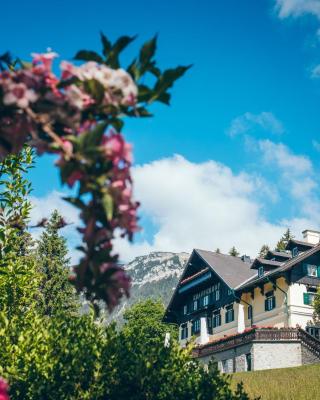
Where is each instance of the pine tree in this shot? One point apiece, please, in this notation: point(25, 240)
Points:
point(58, 293)
point(264, 250)
point(234, 252)
point(218, 250)
point(282, 243)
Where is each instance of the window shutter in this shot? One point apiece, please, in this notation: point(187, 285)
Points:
point(318, 271)
point(227, 319)
point(266, 305)
point(232, 315)
point(306, 299)
point(219, 320)
point(273, 302)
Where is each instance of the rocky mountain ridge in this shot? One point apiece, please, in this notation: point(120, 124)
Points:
point(154, 275)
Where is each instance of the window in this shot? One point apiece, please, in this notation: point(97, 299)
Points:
point(205, 301)
point(195, 305)
point(229, 314)
point(308, 298)
point(185, 309)
point(312, 270)
point(196, 326)
point(249, 312)
point(270, 301)
point(184, 331)
point(216, 319)
point(248, 362)
point(260, 271)
point(209, 325)
point(295, 252)
point(217, 294)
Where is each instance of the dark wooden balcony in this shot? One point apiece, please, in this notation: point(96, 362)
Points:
point(259, 335)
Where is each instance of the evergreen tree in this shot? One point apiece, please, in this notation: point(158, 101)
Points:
point(264, 250)
point(218, 250)
point(53, 261)
point(233, 252)
point(282, 243)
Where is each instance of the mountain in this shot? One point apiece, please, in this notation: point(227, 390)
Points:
point(153, 276)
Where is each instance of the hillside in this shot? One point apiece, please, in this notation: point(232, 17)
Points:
point(153, 276)
point(299, 383)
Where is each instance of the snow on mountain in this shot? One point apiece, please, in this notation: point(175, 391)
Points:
point(153, 276)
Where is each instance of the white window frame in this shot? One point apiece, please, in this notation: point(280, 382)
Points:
point(260, 271)
point(312, 270)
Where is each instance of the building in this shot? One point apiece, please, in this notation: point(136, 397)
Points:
point(247, 314)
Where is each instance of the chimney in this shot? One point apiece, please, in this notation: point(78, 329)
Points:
point(246, 258)
point(310, 236)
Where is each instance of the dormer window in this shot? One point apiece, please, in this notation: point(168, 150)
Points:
point(260, 272)
point(295, 252)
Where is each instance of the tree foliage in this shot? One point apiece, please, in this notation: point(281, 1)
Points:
point(282, 243)
point(234, 252)
point(58, 294)
point(264, 250)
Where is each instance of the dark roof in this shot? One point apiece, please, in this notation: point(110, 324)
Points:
point(285, 266)
point(194, 276)
point(232, 270)
point(293, 242)
point(282, 254)
point(263, 261)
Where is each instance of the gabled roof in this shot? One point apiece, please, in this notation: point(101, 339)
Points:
point(285, 266)
point(232, 270)
point(262, 261)
point(298, 243)
point(277, 254)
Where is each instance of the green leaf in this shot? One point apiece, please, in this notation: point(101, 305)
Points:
point(107, 203)
point(117, 124)
point(93, 137)
point(117, 48)
point(88, 55)
point(144, 93)
point(106, 44)
point(147, 51)
point(95, 89)
point(168, 78)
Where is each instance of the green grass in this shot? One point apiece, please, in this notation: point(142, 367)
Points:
point(299, 383)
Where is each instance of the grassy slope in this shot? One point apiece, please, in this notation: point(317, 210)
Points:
point(299, 383)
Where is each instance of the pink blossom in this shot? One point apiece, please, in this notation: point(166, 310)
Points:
point(4, 388)
point(45, 59)
point(19, 94)
point(78, 97)
point(74, 177)
point(117, 149)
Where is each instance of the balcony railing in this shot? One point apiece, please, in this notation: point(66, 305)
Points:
point(258, 334)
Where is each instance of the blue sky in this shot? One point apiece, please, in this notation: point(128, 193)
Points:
point(234, 160)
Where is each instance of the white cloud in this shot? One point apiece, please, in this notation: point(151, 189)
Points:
point(249, 122)
point(201, 205)
point(283, 158)
point(315, 72)
point(297, 8)
point(316, 145)
point(296, 175)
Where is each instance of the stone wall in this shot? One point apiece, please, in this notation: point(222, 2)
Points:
point(264, 355)
point(232, 360)
point(276, 355)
